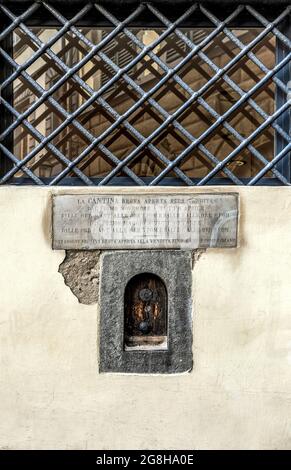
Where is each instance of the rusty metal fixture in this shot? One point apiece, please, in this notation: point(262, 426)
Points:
point(145, 294)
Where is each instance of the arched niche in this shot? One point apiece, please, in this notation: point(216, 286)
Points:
point(145, 313)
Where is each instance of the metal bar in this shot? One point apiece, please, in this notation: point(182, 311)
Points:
point(206, 106)
point(146, 96)
point(118, 118)
point(279, 120)
point(285, 14)
point(247, 140)
point(6, 119)
point(193, 95)
point(4, 150)
point(45, 95)
point(280, 84)
point(163, 112)
point(19, 164)
point(214, 126)
point(229, 81)
point(125, 181)
point(284, 121)
point(270, 165)
point(72, 71)
point(45, 46)
point(17, 20)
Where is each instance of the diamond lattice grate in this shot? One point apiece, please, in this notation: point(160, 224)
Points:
point(143, 101)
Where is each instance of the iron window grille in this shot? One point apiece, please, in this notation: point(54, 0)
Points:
point(145, 94)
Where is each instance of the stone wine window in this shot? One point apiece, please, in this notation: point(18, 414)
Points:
point(145, 322)
point(145, 312)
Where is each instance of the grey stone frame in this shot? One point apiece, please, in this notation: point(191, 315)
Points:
point(174, 267)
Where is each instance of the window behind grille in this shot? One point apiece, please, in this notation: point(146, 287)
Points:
point(155, 115)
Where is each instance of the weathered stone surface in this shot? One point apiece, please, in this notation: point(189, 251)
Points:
point(140, 221)
point(174, 268)
point(80, 270)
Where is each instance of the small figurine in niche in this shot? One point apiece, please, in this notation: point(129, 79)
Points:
point(145, 313)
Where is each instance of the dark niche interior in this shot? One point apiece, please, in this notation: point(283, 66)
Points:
point(145, 322)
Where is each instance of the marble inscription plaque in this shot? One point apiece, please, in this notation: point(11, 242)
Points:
point(145, 221)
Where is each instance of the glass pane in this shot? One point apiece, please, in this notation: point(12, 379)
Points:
point(122, 98)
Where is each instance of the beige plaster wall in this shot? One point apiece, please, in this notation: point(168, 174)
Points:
point(239, 392)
